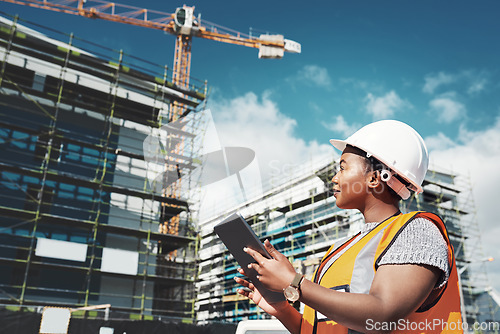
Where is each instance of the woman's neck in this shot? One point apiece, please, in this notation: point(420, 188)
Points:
point(379, 212)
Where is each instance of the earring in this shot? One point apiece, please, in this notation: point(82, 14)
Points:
point(385, 175)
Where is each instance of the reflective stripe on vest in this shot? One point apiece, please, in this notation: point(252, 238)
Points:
point(353, 272)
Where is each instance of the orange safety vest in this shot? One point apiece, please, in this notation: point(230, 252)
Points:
point(353, 272)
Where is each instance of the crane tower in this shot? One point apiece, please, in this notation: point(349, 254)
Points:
point(184, 25)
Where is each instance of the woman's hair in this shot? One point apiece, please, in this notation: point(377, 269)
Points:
point(373, 164)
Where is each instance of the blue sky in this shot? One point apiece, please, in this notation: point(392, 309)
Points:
point(354, 52)
point(432, 64)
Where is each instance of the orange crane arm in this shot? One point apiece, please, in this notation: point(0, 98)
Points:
point(147, 18)
point(184, 25)
point(101, 9)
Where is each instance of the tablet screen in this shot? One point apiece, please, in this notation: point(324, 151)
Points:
point(235, 233)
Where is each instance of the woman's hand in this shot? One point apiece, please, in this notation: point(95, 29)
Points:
point(285, 313)
point(252, 293)
point(276, 273)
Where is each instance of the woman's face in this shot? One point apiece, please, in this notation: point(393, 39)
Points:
point(350, 182)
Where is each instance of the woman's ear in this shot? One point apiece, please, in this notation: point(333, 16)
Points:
point(374, 179)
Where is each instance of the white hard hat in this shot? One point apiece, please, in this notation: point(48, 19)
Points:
point(398, 146)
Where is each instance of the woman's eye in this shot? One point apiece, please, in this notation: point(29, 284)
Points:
point(337, 169)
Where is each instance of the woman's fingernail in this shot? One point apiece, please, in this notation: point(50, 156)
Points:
point(245, 249)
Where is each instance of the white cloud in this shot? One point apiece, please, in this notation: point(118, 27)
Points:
point(477, 154)
point(257, 123)
point(315, 75)
point(439, 142)
point(315, 108)
point(447, 109)
point(385, 106)
point(355, 83)
point(471, 82)
point(477, 86)
point(433, 81)
point(340, 125)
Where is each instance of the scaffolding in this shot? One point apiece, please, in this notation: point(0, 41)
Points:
point(82, 222)
point(298, 217)
point(450, 195)
point(301, 220)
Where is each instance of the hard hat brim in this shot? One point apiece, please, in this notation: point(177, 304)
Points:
point(338, 144)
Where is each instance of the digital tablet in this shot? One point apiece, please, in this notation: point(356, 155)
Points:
point(235, 233)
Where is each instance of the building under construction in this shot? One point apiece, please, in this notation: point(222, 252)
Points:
point(301, 220)
point(84, 219)
point(95, 171)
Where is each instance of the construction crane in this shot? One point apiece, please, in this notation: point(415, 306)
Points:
point(183, 24)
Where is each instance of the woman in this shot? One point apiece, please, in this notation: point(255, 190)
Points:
point(396, 275)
